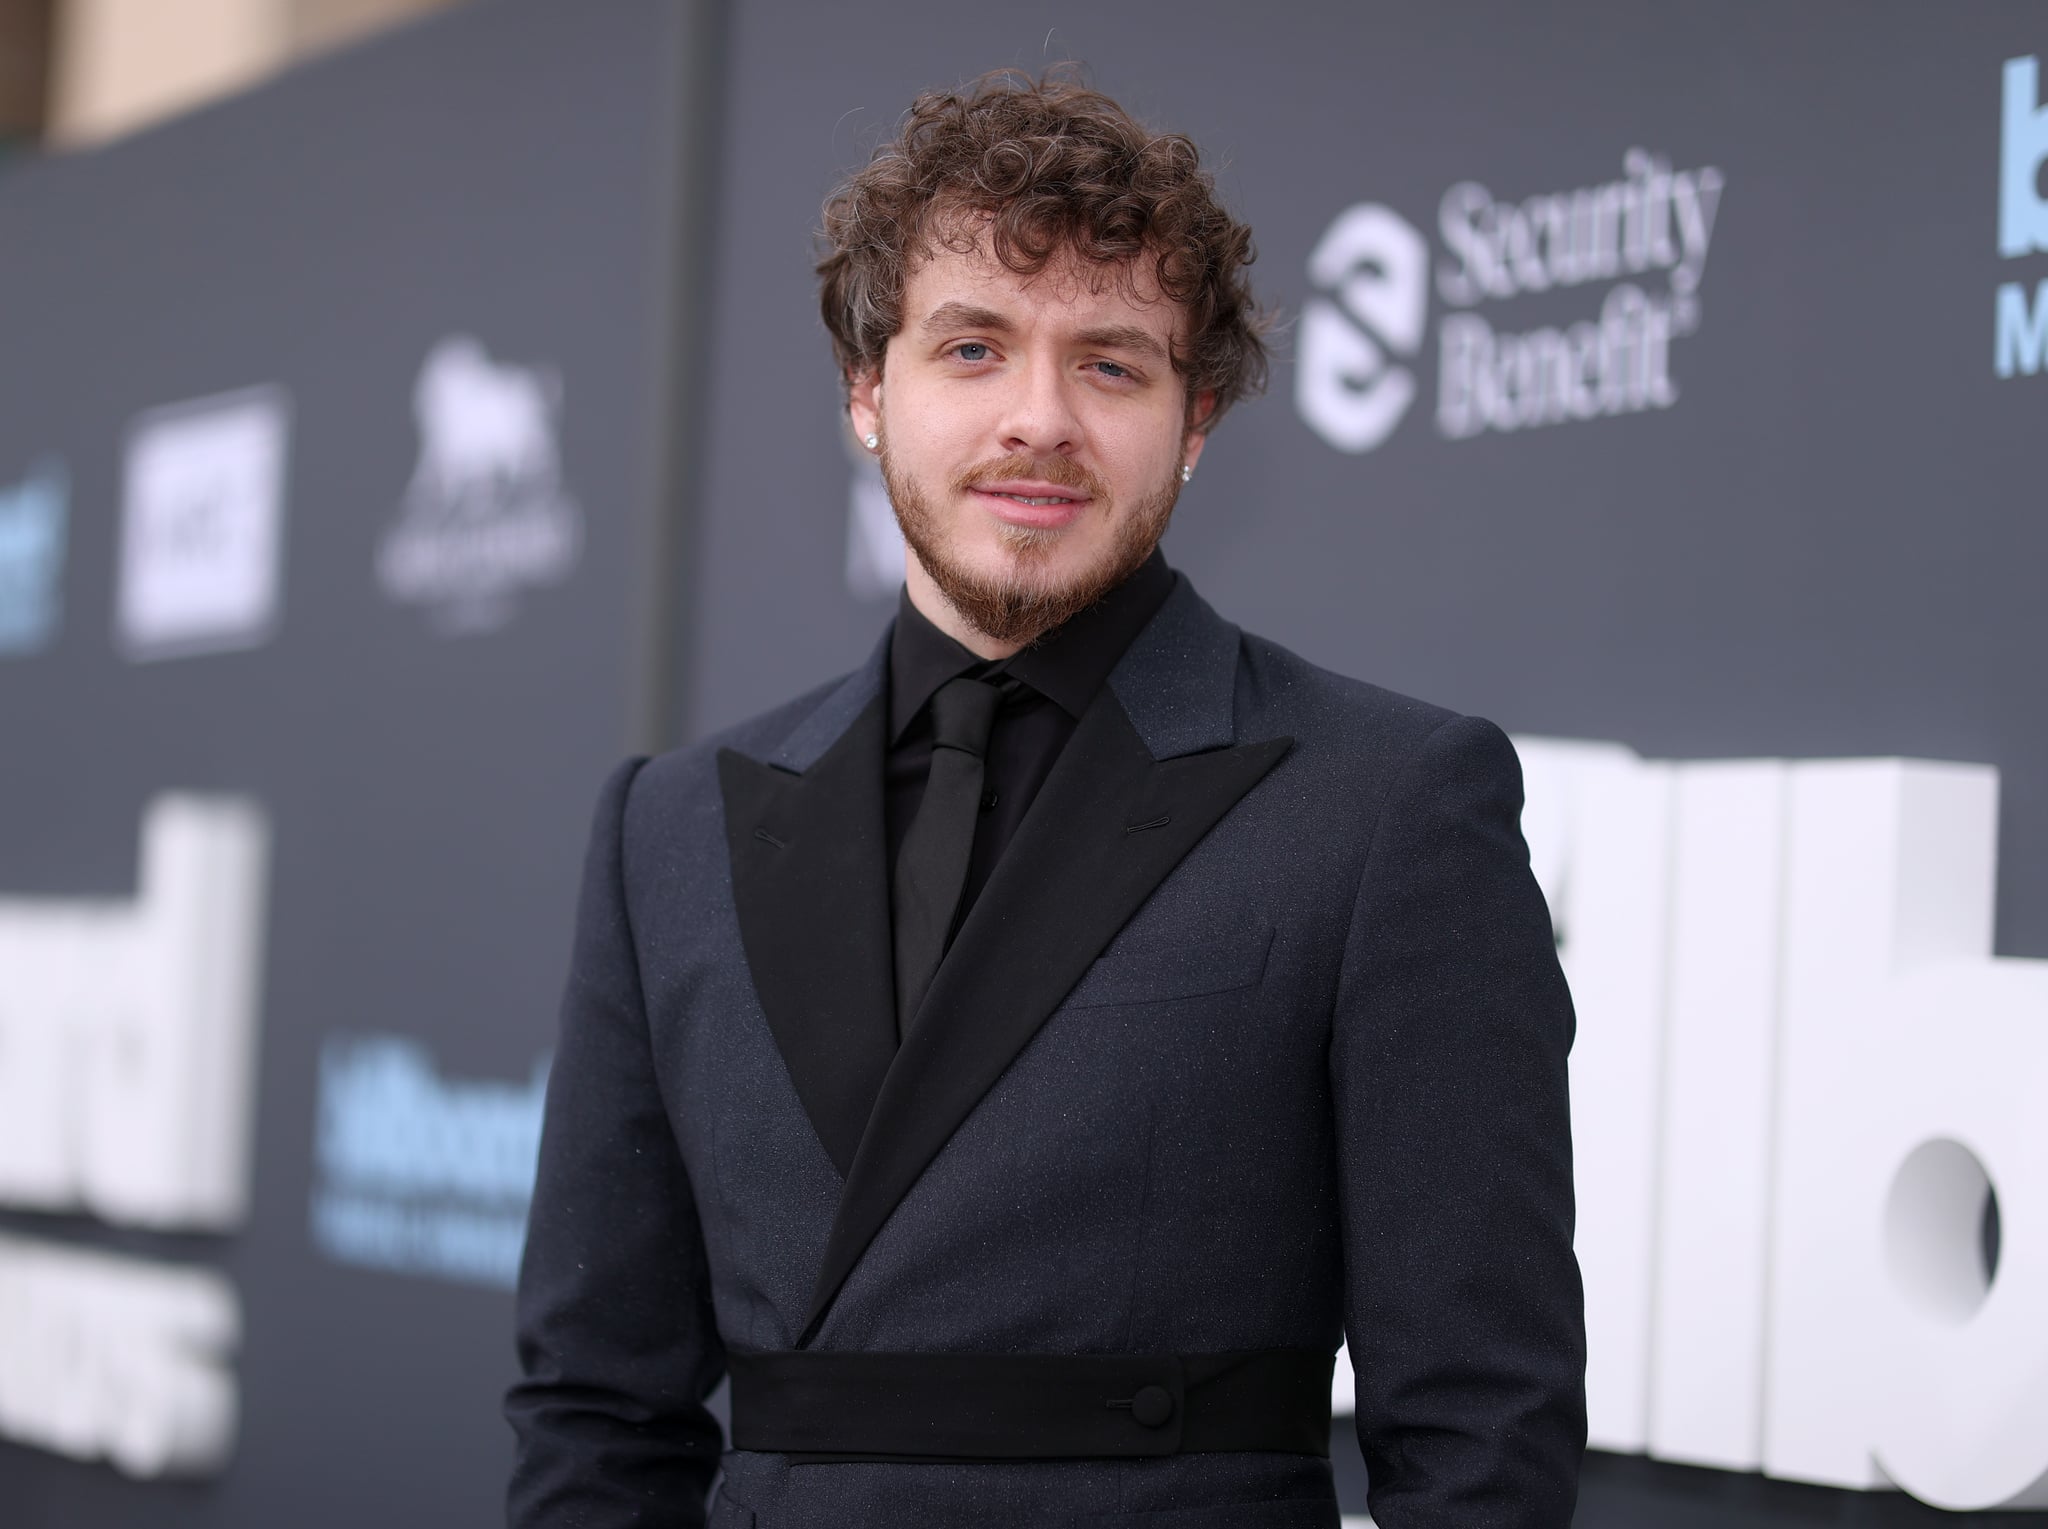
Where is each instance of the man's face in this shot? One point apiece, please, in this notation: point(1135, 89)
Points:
point(1033, 431)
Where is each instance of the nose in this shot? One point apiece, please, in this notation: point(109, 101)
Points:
point(1038, 417)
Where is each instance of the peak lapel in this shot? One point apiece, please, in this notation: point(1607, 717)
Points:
point(1110, 823)
point(809, 885)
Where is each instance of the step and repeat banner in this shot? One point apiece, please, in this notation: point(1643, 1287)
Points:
point(1669, 386)
point(329, 443)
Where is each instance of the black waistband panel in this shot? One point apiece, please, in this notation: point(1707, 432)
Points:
point(1029, 1406)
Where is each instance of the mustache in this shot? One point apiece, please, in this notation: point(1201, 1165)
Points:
point(1061, 472)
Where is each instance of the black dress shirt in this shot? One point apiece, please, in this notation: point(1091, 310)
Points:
point(1046, 687)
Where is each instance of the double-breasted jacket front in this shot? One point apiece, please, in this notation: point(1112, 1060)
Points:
point(1255, 1039)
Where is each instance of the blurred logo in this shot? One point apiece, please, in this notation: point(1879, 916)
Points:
point(127, 1359)
point(32, 515)
point(2023, 149)
point(1369, 312)
point(486, 513)
point(201, 525)
point(2020, 348)
point(127, 1043)
point(1374, 269)
point(128, 1029)
point(421, 1174)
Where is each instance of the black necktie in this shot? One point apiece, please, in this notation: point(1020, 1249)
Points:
point(931, 868)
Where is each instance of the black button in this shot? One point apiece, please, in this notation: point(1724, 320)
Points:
point(1152, 1406)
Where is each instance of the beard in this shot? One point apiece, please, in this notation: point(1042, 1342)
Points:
point(1026, 601)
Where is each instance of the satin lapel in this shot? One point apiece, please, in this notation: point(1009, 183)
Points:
point(1109, 824)
point(809, 883)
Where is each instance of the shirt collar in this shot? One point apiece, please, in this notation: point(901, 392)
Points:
point(1067, 665)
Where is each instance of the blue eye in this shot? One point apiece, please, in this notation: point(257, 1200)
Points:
point(973, 350)
point(1111, 369)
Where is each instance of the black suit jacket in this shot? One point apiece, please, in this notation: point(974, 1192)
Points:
point(1255, 1038)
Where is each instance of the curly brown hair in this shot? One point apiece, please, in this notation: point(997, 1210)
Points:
point(1043, 167)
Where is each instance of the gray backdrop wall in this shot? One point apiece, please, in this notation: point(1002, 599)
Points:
point(1783, 508)
point(426, 748)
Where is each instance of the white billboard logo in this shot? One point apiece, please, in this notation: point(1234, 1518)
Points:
point(1800, 1073)
point(129, 1028)
point(486, 512)
point(201, 525)
point(128, 1033)
point(1810, 1156)
point(121, 1358)
point(1372, 268)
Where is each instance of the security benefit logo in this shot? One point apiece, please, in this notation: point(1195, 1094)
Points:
point(32, 535)
point(1636, 245)
point(202, 511)
point(1810, 1147)
point(486, 513)
point(2020, 342)
point(422, 1174)
point(127, 1049)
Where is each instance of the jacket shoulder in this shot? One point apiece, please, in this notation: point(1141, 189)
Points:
point(1365, 754)
point(1279, 691)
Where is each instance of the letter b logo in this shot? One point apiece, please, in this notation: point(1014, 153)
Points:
point(2022, 209)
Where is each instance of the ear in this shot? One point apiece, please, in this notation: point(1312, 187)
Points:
point(1198, 428)
point(864, 401)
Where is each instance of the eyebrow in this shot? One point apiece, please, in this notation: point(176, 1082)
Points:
point(951, 317)
point(963, 316)
point(1124, 337)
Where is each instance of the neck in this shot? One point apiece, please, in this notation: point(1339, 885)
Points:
point(939, 611)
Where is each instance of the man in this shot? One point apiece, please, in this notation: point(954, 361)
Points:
point(1018, 1064)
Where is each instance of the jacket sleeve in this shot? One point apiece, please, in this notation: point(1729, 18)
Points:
point(617, 1344)
point(1463, 1307)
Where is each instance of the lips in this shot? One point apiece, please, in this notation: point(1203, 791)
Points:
point(1033, 493)
point(1037, 505)
point(1045, 496)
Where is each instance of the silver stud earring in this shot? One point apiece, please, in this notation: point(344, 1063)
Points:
point(1186, 472)
point(871, 441)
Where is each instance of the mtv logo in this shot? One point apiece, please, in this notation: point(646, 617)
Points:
point(2023, 150)
point(32, 516)
point(201, 529)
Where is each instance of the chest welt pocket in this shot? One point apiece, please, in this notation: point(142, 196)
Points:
point(1156, 969)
